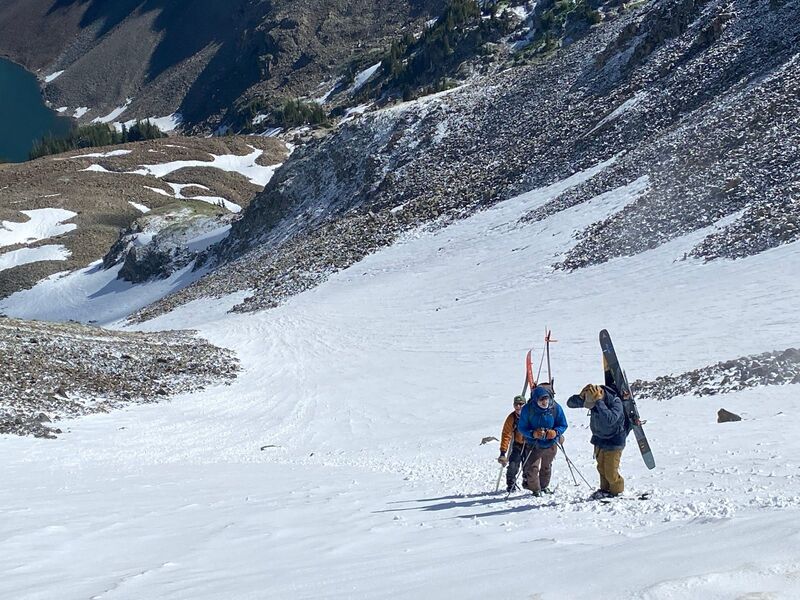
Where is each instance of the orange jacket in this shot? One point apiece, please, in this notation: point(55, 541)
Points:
point(509, 429)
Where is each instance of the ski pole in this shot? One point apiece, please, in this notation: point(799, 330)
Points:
point(569, 466)
point(499, 477)
point(522, 464)
point(569, 462)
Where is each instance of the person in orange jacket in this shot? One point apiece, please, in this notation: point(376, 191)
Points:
point(513, 440)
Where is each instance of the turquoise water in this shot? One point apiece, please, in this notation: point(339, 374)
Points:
point(24, 118)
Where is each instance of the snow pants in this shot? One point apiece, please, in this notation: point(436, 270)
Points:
point(538, 468)
point(608, 467)
point(517, 457)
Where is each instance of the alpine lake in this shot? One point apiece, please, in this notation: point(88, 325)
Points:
point(24, 117)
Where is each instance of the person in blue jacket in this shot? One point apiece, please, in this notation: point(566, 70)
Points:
point(541, 423)
point(609, 430)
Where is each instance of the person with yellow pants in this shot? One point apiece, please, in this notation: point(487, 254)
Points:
point(609, 431)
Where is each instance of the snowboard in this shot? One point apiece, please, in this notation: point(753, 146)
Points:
point(615, 377)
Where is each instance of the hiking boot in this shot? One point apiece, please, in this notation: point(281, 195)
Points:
point(600, 494)
point(547, 490)
point(512, 487)
point(536, 493)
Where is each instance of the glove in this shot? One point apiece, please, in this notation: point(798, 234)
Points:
point(551, 434)
point(575, 401)
point(503, 460)
point(591, 394)
point(539, 434)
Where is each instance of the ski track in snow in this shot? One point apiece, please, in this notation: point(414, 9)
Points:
point(373, 391)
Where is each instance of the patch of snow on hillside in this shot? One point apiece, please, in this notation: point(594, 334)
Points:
point(178, 188)
point(91, 295)
point(30, 255)
point(140, 207)
point(629, 104)
point(62, 109)
point(158, 191)
point(112, 116)
point(203, 241)
point(52, 76)
point(246, 165)
point(271, 132)
point(102, 154)
point(168, 123)
point(363, 77)
point(441, 132)
point(97, 169)
point(42, 223)
point(524, 11)
point(79, 112)
point(218, 201)
point(355, 111)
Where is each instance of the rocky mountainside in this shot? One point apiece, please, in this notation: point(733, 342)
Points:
point(198, 58)
point(57, 371)
point(97, 194)
point(694, 101)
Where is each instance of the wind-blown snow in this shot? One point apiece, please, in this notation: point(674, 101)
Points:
point(23, 256)
point(42, 223)
point(370, 394)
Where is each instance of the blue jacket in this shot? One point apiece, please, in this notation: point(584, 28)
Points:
point(534, 417)
point(606, 420)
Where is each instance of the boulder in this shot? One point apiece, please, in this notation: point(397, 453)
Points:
point(725, 416)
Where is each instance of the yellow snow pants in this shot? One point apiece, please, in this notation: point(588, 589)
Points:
point(608, 467)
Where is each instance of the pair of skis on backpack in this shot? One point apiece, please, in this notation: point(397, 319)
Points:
point(614, 378)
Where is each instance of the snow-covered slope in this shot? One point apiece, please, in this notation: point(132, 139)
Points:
point(345, 461)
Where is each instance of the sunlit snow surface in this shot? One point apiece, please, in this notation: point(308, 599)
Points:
point(23, 256)
point(246, 165)
point(91, 295)
point(373, 391)
point(42, 223)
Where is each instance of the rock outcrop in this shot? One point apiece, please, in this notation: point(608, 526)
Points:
point(54, 371)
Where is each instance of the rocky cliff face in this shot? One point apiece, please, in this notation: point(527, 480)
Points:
point(195, 57)
point(699, 98)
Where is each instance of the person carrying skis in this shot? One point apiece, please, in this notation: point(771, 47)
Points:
point(511, 438)
point(542, 423)
point(609, 430)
